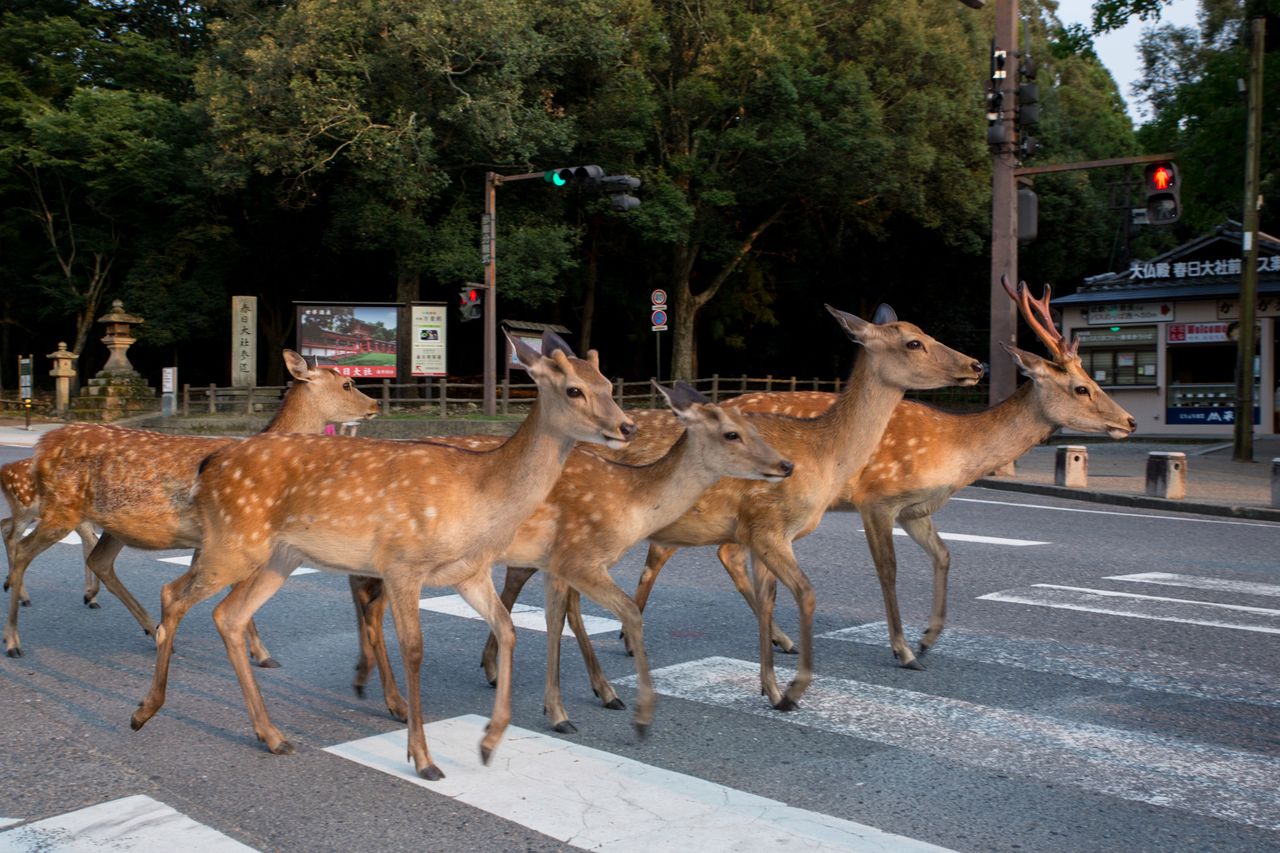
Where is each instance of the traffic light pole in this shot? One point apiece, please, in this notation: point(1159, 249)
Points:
point(1242, 450)
point(1004, 211)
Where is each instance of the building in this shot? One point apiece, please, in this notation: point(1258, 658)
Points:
point(1160, 337)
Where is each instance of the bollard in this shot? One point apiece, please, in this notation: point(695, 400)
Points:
point(1275, 482)
point(1071, 466)
point(1167, 475)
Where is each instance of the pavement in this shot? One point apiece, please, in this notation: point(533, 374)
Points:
point(1215, 484)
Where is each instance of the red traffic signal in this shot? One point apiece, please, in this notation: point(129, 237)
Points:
point(1162, 185)
point(468, 303)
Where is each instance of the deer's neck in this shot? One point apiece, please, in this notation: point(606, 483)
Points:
point(526, 465)
point(296, 414)
point(667, 487)
point(1004, 432)
point(849, 431)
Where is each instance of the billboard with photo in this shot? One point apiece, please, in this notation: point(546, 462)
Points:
point(358, 340)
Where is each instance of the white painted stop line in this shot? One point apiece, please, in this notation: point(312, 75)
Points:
point(595, 800)
point(1155, 607)
point(523, 615)
point(969, 537)
point(1196, 582)
point(135, 824)
point(185, 560)
point(1230, 784)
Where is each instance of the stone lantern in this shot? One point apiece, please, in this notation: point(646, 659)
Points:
point(118, 339)
point(118, 390)
point(63, 371)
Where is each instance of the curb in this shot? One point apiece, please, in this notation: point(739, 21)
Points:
point(1254, 513)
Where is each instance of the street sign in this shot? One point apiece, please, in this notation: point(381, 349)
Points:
point(486, 239)
point(659, 319)
point(658, 298)
point(24, 376)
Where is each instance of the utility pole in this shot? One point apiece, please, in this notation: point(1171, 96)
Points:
point(1004, 204)
point(1242, 450)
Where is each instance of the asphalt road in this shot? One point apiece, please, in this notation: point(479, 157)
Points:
point(1046, 719)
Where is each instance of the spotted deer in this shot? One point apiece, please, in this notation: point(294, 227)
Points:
point(136, 485)
point(430, 514)
point(596, 512)
point(827, 451)
point(19, 489)
point(926, 455)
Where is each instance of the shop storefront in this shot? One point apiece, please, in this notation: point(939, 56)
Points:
point(1161, 336)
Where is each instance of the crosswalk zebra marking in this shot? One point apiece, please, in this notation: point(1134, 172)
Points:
point(595, 800)
point(1135, 668)
point(136, 824)
point(970, 537)
point(1216, 781)
point(1197, 582)
point(185, 560)
point(1154, 607)
point(523, 615)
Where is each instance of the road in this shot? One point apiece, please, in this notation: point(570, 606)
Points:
point(1108, 680)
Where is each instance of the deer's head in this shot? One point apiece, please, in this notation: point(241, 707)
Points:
point(905, 356)
point(724, 439)
point(1069, 397)
point(573, 396)
point(327, 391)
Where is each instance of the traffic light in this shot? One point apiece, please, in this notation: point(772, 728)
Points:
point(1161, 183)
point(576, 177)
point(619, 188)
point(468, 303)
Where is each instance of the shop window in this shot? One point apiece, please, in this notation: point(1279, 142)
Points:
point(1119, 365)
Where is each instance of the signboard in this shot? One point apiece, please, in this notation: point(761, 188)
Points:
point(1198, 333)
point(1107, 337)
point(658, 317)
point(1268, 306)
point(357, 340)
point(1205, 415)
point(168, 380)
point(1117, 313)
point(244, 340)
point(24, 376)
point(1145, 270)
point(428, 337)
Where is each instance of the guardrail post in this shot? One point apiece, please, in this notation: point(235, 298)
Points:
point(444, 396)
point(386, 397)
point(1275, 482)
point(213, 397)
point(715, 387)
point(1167, 474)
point(506, 394)
point(186, 398)
point(1071, 466)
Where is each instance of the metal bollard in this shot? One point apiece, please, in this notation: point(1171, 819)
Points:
point(1071, 466)
point(1275, 482)
point(1167, 475)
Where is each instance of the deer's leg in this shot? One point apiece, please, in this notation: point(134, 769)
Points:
point(208, 574)
point(734, 559)
point(480, 593)
point(89, 539)
point(556, 604)
point(779, 558)
point(926, 536)
point(12, 530)
point(601, 589)
point(402, 594)
point(101, 561)
point(879, 527)
point(371, 604)
point(233, 617)
point(25, 550)
point(517, 577)
point(599, 681)
point(653, 562)
point(258, 649)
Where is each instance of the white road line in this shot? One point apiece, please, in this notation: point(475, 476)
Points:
point(1196, 582)
point(1223, 783)
point(522, 615)
point(595, 800)
point(1123, 514)
point(968, 537)
point(1135, 668)
point(71, 538)
point(185, 560)
point(9, 821)
point(1153, 607)
point(135, 824)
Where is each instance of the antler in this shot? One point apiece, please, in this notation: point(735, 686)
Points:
point(1036, 313)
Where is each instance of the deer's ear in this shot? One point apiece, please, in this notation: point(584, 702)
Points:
point(297, 365)
point(854, 326)
point(884, 314)
point(682, 398)
point(1029, 364)
point(551, 342)
point(525, 354)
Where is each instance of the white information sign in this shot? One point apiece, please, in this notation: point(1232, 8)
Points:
point(428, 331)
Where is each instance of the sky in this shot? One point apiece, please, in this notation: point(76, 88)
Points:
point(1118, 50)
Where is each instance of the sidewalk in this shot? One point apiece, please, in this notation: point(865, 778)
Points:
point(1117, 475)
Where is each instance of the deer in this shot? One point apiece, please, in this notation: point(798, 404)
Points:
point(443, 515)
point(19, 489)
point(136, 484)
point(826, 450)
point(926, 455)
point(598, 510)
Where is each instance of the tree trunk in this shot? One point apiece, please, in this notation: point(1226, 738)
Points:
point(407, 292)
point(589, 301)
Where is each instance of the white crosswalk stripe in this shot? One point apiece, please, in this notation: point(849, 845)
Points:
point(970, 537)
point(1159, 608)
point(523, 615)
point(1136, 668)
point(185, 560)
point(595, 800)
point(1196, 582)
point(1209, 780)
point(136, 824)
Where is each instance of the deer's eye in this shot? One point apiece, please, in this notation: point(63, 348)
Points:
point(732, 436)
point(915, 345)
point(1082, 390)
point(346, 386)
point(573, 391)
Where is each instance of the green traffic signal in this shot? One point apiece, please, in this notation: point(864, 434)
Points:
point(556, 177)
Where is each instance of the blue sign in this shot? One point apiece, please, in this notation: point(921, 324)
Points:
point(1206, 415)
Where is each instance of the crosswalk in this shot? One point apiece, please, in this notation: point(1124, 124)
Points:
point(136, 824)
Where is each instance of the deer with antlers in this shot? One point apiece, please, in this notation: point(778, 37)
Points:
point(926, 455)
point(443, 515)
point(136, 486)
point(19, 489)
point(596, 512)
point(827, 450)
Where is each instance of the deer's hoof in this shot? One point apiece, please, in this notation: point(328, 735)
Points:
point(615, 704)
point(786, 704)
point(566, 728)
point(642, 730)
point(486, 755)
point(359, 689)
point(15, 652)
point(269, 663)
point(137, 721)
point(431, 773)
point(26, 602)
point(915, 664)
point(783, 650)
